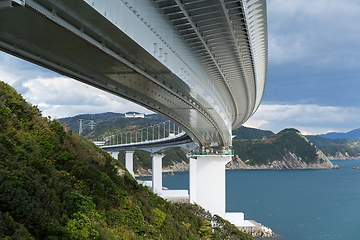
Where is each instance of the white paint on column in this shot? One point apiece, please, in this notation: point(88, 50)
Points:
point(157, 173)
point(210, 182)
point(115, 155)
point(192, 180)
point(129, 161)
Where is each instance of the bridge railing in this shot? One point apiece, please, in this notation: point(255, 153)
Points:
point(155, 132)
point(224, 152)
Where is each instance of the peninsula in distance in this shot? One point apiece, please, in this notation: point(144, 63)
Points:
point(253, 148)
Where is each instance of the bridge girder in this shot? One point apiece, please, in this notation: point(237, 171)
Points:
point(85, 41)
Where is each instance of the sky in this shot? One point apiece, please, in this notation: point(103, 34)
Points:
point(313, 80)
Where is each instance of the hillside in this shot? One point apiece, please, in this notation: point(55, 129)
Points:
point(108, 123)
point(251, 133)
point(58, 185)
point(257, 147)
point(337, 148)
point(287, 149)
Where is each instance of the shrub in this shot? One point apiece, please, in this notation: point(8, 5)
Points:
point(159, 217)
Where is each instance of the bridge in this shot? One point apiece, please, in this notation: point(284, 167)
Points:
point(201, 64)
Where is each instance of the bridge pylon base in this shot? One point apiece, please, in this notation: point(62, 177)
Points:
point(157, 173)
point(129, 161)
point(207, 182)
point(115, 154)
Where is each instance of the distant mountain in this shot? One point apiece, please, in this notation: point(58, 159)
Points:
point(344, 148)
point(287, 149)
point(251, 133)
point(257, 148)
point(353, 135)
point(106, 124)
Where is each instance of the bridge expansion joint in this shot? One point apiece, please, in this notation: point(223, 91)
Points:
point(208, 151)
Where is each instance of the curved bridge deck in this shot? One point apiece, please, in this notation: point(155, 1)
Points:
point(155, 146)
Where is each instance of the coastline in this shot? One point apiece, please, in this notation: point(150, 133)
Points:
point(258, 230)
point(262, 208)
point(344, 159)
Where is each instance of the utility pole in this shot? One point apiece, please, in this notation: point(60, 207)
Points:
point(92, 125)
point(80, 126)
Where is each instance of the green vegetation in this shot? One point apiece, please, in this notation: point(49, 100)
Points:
point(259, 152)
point(251, 133)
point(255, 145)
point(331, 147)
point(109, 124)
point(58, 185)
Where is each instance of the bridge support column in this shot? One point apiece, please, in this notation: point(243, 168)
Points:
point(192, 179)
point(157, 173)
point(129, 161)
point(115, 155)
point(207, 182)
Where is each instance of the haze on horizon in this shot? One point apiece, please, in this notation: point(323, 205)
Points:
point(312, 84)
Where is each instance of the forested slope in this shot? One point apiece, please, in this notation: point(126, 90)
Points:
point(253, 146)
point(251, 133)
point(287, 149)
point(337, 148)
point(58, 185)
point(108, 124)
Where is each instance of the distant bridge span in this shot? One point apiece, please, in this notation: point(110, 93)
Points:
point(154, 146)
point(199, 63)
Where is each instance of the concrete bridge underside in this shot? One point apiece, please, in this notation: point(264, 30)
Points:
point(197, 63)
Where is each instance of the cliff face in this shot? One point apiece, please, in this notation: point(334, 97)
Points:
point(178, 167)
point(288, 161)
point(342, 156)
point(337, 149)
point(288, 149)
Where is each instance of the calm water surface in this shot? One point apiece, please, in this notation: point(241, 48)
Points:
point(296, 204)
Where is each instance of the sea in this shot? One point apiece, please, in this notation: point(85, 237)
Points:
point(295, 204)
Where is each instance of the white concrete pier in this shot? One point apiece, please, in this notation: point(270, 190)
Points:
point(129, 161)
point(207, 182)
point(157, 173)
point(115, 154)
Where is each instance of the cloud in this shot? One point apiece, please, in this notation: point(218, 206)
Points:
point(64, 91)
point(19, 86)
point(63, 97)
point(321, 31)
point(56, 95)
point(309, 119)
point(314, 52)
point(12, 69)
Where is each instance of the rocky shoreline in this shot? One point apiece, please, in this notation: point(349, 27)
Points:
point(258, 231)
point(341, 156)
point(288, 161)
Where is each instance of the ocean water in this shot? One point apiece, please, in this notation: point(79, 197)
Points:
point(295, 204)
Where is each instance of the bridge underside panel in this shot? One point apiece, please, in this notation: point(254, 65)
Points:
point(60, 42)
point(202, 64)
